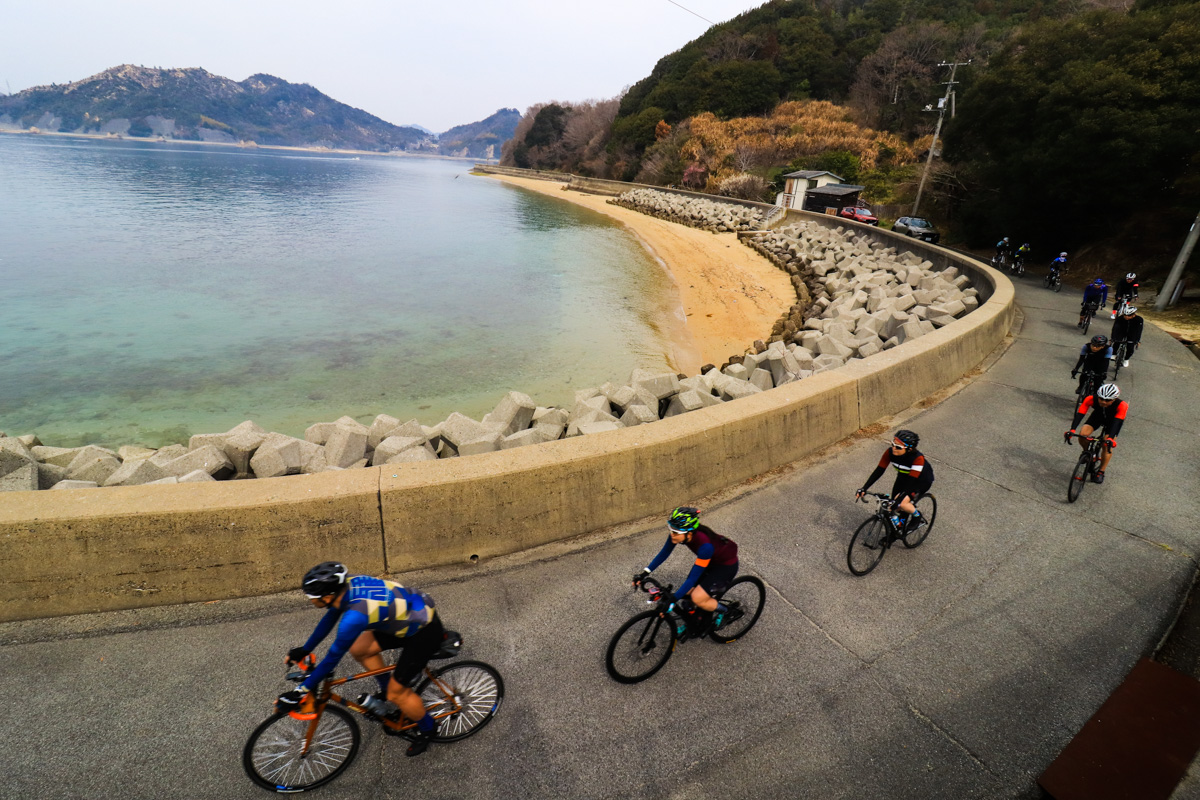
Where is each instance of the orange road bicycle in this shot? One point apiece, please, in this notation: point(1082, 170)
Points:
point(295, 751)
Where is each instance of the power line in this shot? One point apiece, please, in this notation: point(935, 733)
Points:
point(693, 13)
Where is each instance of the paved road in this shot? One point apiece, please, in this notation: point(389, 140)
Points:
point(957, 670)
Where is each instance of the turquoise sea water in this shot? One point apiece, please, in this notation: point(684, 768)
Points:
point(151, 291)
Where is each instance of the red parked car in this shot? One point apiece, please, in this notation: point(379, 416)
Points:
point(859, 214)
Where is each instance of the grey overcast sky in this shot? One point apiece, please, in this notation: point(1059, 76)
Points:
point(437, 64)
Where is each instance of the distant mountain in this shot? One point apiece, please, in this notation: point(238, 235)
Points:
point(195, 104)
point(481, 139)
point(421, 128)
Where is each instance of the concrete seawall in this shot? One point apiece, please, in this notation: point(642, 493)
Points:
point(131, 547)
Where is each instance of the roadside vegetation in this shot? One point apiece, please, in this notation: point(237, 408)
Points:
point(1076, 126)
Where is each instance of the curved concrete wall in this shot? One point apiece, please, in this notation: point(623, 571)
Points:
point(129, 547)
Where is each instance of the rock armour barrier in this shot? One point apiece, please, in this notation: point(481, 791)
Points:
point(132, 546)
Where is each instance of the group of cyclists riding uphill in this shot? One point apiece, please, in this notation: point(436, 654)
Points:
point(371, 615)
point(1101, 409)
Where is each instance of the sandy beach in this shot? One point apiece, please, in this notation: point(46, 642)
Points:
point(730, 294)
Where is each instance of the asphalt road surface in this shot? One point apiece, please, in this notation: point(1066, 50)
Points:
point(956, 670)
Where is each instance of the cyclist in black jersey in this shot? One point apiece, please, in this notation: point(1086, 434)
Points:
point(371, 615)
point(715, 567)
point(1128, 329)
point(1094, 357)
point(914, 473)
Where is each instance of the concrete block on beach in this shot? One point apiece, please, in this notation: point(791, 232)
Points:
point(131, 452)
point(209, 458)
point(277, 455)
point(136, 473)
point(735, 389)
point(49, 475)
point(92, 464)
point(487, 443)
point(601, 426)
point(346, 445)
point(59, 456)
point(312, 458)
point(638, 415)
point(196, 476)
point(513, 413)
point(22, 479)
point(380, 429)
point(413, 454)
point(458, 429)
point(394, 445)
point(75, 485)
point(165, 455)
point(660, 384)
point(239, 449)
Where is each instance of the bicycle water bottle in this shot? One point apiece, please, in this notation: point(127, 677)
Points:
point(896, 521)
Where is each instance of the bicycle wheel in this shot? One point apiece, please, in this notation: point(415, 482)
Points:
point(476, 687)
point(744, 600)
point(273, 755)
point(1058, 285)
point(1046, 281)
point(1087, 323)
point(927, 505)
point(1079, 477)
point(640, 647)
point(867, 546)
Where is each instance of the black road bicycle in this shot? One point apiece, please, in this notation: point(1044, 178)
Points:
point(1089, 311)
point(1089, 383)
point(1121, 353)
point(879, 532)
point(643, 644)
point(294, 751)
point(1087, 466)
point(1053, 280)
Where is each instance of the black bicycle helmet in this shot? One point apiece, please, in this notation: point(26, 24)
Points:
point(1100, 340)
point(909, 438)
point(324, 579)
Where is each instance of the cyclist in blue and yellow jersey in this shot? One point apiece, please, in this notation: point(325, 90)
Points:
point(1095, 295)
point(371, 615)
point(1105, 413)
point(914, 475)
point(715, 567)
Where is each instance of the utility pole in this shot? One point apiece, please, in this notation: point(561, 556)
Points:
point(1168, 289)
point(947, 100)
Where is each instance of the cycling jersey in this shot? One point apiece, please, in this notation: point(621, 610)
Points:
point(1093, 360)
point(370, 604)
point(914, 474)
point(1058, 263)
point(1095, 294)
point(1110, 419)
point(710, 547)
point(1127, 330)
point(1127, 289)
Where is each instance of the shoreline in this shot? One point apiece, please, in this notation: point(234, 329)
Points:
point(730, 294)
point(103, 137)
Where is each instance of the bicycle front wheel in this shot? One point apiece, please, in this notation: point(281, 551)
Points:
point(744, 603)
point(476, 688)
point(927, 505)
point(275, 758)
point(640, 647)
point(1079, 476)
point(1087, 323)
point(867, 546)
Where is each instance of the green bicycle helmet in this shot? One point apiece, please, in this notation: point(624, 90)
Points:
point(684, 519)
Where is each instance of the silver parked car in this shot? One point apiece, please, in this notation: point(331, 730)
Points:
point(915, 226)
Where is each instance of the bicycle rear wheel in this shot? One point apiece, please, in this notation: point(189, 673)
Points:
point(1058, 285)
point(1079, 477)
point(1087, 323)
point(475, 687)
point(867, 546)
point(744, 600)
point(640, 647)
point(273, 756)
point(927, 505)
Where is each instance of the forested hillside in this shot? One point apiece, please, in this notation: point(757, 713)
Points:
point(1073, 118)
point(481, 139)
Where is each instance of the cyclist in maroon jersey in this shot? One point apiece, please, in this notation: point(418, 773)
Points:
point(715, 567)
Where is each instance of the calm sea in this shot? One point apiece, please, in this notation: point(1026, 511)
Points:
point(151, 291)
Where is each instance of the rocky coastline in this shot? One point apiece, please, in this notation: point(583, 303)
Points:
point(855, 298)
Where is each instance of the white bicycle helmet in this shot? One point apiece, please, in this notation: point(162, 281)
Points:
point(1108, 391)
point(1130, 310)
point(1130, 276)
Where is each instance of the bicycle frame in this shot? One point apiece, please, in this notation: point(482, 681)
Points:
point(314, 704)
point(885, 510)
